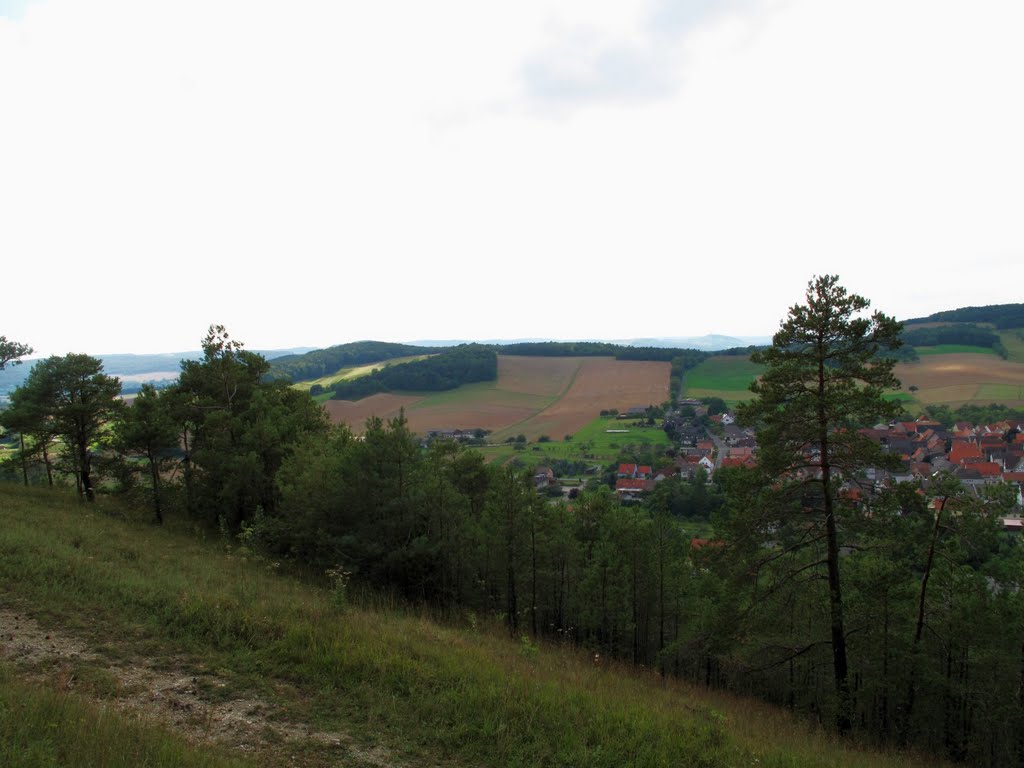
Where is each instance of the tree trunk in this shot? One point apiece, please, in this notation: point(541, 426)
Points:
point(24, 461)
point(840, 667)
point(155, 474)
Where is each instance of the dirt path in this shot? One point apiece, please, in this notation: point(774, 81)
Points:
point(175, 695)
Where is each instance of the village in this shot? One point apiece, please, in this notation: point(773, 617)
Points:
point(976, 455)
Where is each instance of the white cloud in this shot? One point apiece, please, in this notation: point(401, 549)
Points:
point(316, 172)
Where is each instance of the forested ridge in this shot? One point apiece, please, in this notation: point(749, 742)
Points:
point(999, 315)
point(448, 369)
point(889, 611)
point(323, 362)
point(961, 333)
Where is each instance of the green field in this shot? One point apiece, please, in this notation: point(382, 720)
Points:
point(953, 349)
point(593, 443)
point(725, 376)
point(999, 393)
point(1013, 340)
point(901, 397)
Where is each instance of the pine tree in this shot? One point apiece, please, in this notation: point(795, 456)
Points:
point(825, 377)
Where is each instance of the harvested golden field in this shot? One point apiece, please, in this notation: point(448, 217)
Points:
point(532, 395)
point(964, 378)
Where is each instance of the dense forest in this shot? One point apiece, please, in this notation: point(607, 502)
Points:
point(324, 362)
point(448, 369)
point(890, 611)
point(967, 334)
point(1001, 316)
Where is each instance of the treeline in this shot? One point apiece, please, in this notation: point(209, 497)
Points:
point(323, 362)
point(1002, 316)
point(220, 432)
point(960, 333)
point(974, 414)
point(449, 369)
point(691, 357)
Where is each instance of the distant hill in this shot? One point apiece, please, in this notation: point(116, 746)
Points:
point(133, 370)
point(708, 343)
point(323, 362)
point(1000, 315)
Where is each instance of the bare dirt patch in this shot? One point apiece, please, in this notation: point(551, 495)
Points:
point(176, 695)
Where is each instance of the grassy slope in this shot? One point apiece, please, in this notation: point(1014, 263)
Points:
point(412, 690)
point(40, 726)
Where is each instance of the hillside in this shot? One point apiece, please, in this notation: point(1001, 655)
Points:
point(123, 644)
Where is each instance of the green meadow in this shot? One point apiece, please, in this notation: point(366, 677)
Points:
point(725, 376)
point(601, 441)
point(1013, 341)
point(953, 349)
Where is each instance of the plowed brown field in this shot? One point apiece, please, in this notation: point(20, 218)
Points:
point(601, 383)
point(532, 395)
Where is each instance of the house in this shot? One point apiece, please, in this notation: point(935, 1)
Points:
point(543, 477)
point(748, 461)
point(630, 489)
point(1013, 524)
point(634, 471)
point(961, 450)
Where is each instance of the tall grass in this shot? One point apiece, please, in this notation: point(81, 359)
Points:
point(392, 679)
point(41, 727)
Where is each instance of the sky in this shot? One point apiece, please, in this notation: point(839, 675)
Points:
point(316, 172)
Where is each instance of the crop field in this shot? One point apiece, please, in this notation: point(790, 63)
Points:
point(724, 376)
point(1014, 342)
point(953, 349)
point(958, 379)
point(532, 396)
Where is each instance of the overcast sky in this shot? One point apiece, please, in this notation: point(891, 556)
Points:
point(318, 171)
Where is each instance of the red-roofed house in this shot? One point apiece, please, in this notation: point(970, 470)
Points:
point(962, 450)
point(988, 469)
point(635, 471)
point(630, 488)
